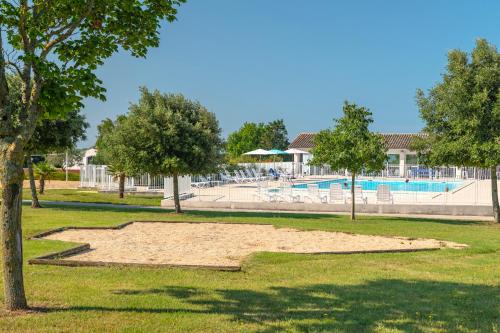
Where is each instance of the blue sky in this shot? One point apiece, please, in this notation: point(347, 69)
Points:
point(259, 60)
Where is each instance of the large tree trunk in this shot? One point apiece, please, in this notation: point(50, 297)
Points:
point(177, 202)
point(121, 185)
point(494, 194)
point(34, 196)
point(353, 198)
point(11, 181)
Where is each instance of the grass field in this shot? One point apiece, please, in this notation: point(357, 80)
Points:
point(91, 196)
point(436, 291)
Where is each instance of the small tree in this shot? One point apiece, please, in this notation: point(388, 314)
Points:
point(44, 171)
point(113, 149)
point(351, 145)
point(54, 135)
point(172, 136)
point(462, 114)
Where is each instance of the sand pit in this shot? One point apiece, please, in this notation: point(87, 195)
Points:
point(218, 244)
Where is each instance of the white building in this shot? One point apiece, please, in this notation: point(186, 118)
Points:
point(402, 160)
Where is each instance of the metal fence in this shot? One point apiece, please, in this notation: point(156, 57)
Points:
point(300, 169)
point(99, 176)
point(252, 183)
point(256, 182)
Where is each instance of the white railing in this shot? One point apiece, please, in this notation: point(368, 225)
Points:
point(299, 169)
point(98, 176)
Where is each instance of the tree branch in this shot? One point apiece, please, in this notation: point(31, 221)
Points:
point(15, 66)
point(22, 24)
point(64, 32)
point(5, 126)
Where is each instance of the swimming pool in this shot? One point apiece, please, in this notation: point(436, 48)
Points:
point(394, 185)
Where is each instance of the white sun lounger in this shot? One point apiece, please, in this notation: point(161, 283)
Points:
point(384, 194)
point(203, 182)
point(314, 195)
point(336, 193)
point(263, 194)
point(359, 195)
point(286, 194)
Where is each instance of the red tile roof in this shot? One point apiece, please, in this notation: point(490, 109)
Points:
point(305, 141)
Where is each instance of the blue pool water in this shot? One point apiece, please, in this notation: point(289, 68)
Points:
point(394, 185)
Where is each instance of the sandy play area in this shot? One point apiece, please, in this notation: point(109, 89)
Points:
point(217, 244)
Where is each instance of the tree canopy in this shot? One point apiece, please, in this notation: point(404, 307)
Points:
point(250, 136)
point(172, 136)
point(55, 48)
point(350, 145)
point(462, 113)
point(275, 135)
point(113, 150)
point(57, 135)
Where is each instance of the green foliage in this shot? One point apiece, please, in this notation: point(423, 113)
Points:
point(350, 145)
point(462, 113)
point(112, 146)
point(170, 134)
point(251, 136)
point(44, 170)
point(59, 174)
point(247, 138)
point(58, 135)
point(51, 135)
point(61, 43)
point(275, 135)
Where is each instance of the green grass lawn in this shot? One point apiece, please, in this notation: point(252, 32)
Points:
point(435, 291)
point(92, 196)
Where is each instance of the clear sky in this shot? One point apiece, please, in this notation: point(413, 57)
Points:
point(259, 60)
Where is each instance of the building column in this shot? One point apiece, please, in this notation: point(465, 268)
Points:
point(402, 164)
point(296, 165)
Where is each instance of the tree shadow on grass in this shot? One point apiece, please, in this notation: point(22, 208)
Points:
point(214, 214)
point(103, 207)
point(408, 306)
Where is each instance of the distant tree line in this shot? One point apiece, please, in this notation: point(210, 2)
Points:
point(251, 136)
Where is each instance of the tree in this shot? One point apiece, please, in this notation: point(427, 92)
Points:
point(173, 136)
point(50, 135)
point(351, 145)
point(247, 138)
point(54, 135)
point(250, 136)
point(44, 171)
point(462, 114)
point(54, 47)
point(275, 135)
point(113, 149)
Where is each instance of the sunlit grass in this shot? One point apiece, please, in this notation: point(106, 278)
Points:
point(435, 291)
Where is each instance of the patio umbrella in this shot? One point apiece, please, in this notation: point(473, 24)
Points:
point(258, 152)
point(276, 152)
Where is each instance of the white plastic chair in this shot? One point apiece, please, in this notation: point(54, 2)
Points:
point(287, 194)
point(384, 194)
point(359, 195)
point(314, 195)
point(336, 193)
